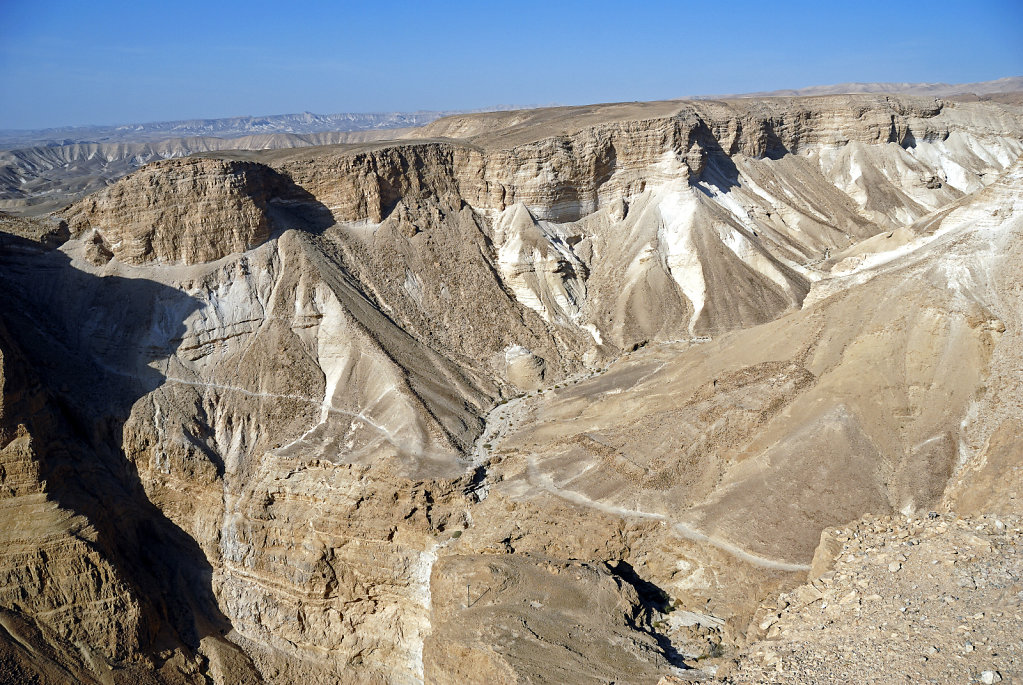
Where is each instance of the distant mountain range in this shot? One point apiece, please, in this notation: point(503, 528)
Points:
point(1003, 85)
point(42, 170)
point(232, 127)
point(307, 122)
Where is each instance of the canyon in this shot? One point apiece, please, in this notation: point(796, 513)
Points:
point(564, 395)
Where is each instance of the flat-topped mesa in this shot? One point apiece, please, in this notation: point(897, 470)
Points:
point(562, 172)
point(196, 210)
point(188, 210)
point(559, 178)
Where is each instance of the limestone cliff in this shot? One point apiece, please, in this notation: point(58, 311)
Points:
point(548, 395)
point(187, 211)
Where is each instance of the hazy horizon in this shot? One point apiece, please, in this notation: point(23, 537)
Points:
point(63, 64)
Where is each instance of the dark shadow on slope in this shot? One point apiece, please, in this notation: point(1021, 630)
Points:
point(84, 343)
point(718, 168)
point(653, 598)
point(719, 171)
point(774, 147)
point(293, 207)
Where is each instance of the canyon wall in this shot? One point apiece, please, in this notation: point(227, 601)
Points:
point(560, 394)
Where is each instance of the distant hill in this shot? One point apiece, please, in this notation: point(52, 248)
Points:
point(43, 170)
point(1010, 84)
point(42, 178)
point(231, 127)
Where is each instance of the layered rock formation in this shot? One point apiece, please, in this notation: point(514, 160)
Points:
point(188, 211)
point(297, 381)
point(758, 189)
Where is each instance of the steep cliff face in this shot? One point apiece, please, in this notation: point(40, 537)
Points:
point(187, 211)
point(733, 320)
point(52, 563)
point(719, 207)
point(98, 585)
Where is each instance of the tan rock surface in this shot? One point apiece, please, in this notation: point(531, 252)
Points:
point(290, 389)
point(39, 179)
point(188, 211)
point(926, 600)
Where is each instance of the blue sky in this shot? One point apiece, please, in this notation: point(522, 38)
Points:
point(74, 63)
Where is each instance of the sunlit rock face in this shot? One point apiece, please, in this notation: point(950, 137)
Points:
point(551, 395)
point(188, 211)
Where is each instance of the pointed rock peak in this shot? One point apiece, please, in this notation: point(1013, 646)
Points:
point(517, 221)
point(519, 216)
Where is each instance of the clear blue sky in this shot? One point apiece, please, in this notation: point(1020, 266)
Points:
point(71, 63)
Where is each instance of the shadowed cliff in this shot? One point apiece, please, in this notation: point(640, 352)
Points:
point(118, 585)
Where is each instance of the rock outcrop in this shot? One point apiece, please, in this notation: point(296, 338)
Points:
point(41, 178)
point(564, 398)
point(187, 211)
point(919, 599)
point(627, 216)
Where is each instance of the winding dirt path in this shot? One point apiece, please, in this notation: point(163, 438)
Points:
point(500, 419)
point(687, 531)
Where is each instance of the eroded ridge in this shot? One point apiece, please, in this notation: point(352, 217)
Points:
point(560, 394)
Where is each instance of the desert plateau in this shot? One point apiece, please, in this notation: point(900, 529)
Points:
point(673, 370)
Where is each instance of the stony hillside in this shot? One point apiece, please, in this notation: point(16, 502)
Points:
point(934, 599)
point(550, 396)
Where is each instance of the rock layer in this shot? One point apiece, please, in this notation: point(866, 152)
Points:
point(736, 324)
point(187, 211)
